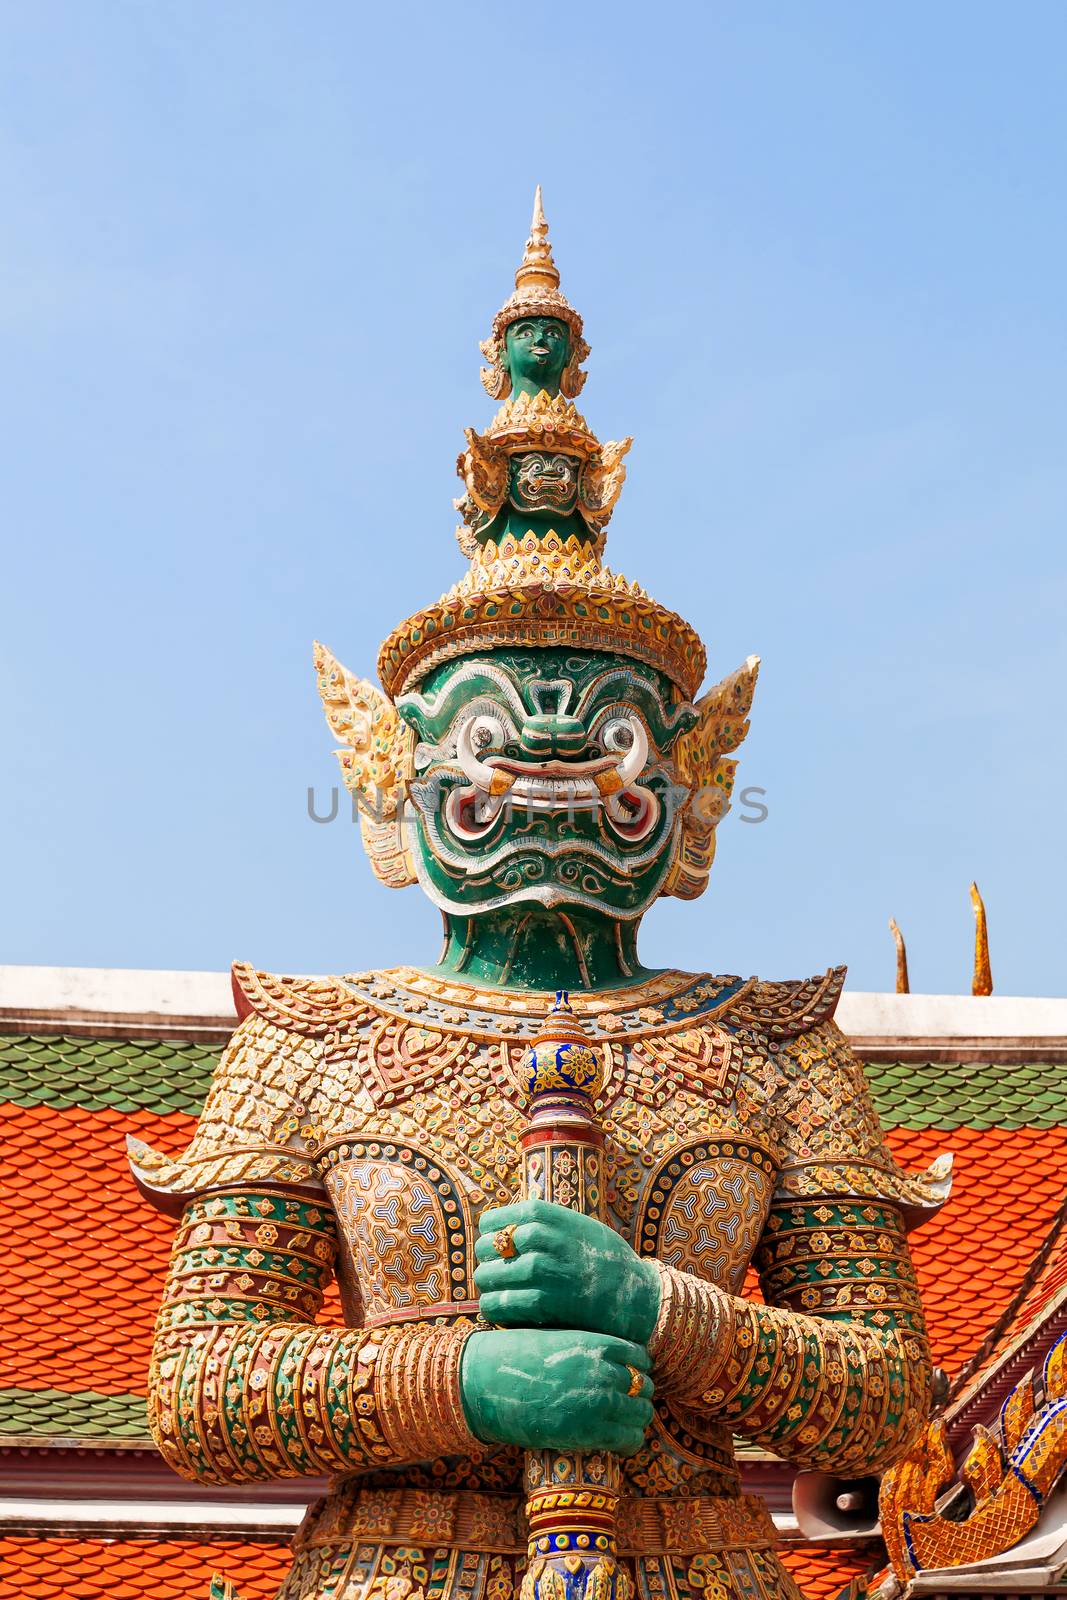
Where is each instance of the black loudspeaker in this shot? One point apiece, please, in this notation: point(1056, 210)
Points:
point(826, 1507)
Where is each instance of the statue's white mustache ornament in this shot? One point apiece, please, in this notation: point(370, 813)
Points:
point(552, 786)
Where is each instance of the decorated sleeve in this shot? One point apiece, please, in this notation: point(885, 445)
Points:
point(833, 1372)
point(245, 1384)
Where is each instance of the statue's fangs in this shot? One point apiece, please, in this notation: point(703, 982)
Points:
point(540, 1221)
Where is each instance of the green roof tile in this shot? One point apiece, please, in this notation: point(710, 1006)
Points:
point(969, 1094)
point(105, 1074)
point(172, 1075)
point(56, 1414)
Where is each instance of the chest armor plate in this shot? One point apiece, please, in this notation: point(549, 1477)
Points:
point(418, 1134)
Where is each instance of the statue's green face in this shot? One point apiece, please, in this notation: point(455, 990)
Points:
point(544, 775)
point(536, 351)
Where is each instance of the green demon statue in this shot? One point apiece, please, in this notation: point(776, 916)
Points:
point(539, 1214)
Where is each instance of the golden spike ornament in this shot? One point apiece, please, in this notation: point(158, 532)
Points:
point(903, 986)
point(982, 980)
point(537, 272)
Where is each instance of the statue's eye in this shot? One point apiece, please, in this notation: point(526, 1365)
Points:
point(488, 733)
point(616, 736)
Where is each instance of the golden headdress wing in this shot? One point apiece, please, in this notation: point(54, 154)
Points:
point(376, 761)
point(702, 763)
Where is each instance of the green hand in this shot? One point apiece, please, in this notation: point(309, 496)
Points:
point(556, 1390)
point(569, 1270)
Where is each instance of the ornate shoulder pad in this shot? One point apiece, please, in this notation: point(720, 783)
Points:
point(309, 1006)
point(833, 1145)
point(254, 1128)
point(785, 1010)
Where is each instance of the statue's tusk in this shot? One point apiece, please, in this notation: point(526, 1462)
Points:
point(633, 762)
point(491, 780)
point(613, 782)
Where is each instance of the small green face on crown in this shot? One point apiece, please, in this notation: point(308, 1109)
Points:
point(536, 351)
point(544, 776)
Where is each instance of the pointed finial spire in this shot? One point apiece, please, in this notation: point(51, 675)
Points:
point(537, 270)
point(903, 986)
point(982, 981)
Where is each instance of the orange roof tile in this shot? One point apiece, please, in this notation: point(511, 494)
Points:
point(130, 1569)
point(1047, 1285)
point(86, 1254)
point(822, 1571)
point(1030, 1323)
point(85, 1569)
point(973, 1255)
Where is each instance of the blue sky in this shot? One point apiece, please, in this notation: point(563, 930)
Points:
point(247, 254)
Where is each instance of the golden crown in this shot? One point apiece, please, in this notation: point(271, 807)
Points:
point(542, 590)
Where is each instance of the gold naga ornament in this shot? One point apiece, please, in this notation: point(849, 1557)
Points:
point(936, 1516)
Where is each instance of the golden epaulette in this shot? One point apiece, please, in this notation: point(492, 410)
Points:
point(313, 1006)
point(784, 1010)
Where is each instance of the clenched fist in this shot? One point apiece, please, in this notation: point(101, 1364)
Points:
point(568, 1271)
point(556, 1389)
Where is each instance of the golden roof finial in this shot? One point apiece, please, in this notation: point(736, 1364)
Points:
point(903, 986)
point(537, 270)
point(982, 982)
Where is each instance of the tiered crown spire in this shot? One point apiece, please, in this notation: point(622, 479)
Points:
point(537, 294)
point(537, 269)
point(541, 583)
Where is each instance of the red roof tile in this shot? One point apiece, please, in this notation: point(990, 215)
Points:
point(130, 1569)
point(822, 1572)
point(86, 1254)
point(973, 1255)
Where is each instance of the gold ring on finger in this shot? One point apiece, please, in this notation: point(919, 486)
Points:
point(504, 1242)
point(637, 1382)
